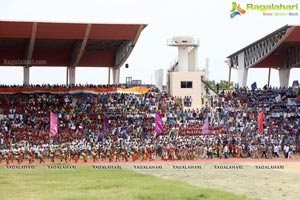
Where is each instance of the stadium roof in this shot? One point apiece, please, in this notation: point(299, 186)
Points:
point(279, 49)
point(66, 44)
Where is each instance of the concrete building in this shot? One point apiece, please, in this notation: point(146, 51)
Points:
point(184, 79)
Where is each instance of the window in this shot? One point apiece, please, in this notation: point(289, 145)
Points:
point(186, 84)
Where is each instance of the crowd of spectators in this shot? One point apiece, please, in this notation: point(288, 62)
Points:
point(130, 118)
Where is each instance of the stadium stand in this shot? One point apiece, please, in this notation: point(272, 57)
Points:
point(121, 126)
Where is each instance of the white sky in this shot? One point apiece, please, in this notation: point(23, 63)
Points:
point(208, 21)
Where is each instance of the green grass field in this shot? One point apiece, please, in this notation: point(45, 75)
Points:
point(85, 183)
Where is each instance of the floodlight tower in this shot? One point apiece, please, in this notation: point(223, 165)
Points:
point(187, 52)
point(184, 79)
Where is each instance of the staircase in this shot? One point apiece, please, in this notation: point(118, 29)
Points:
point(209, 86)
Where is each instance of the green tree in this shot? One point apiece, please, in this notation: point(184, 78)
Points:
point(223, 85)
point(211, 83)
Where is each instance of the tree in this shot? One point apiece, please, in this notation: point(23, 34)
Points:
point(223, 85)
point(211, 83)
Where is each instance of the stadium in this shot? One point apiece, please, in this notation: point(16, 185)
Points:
point(188, 138)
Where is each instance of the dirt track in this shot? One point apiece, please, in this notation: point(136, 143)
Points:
point(254, 179)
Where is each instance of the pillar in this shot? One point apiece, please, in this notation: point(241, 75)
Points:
point(242, 70)
point(183, 59)
point(71, 75)
point(269, 76)
point(229, 78)
point(108, 76)
point(284, 77)
point(67, 76)
point(193, 59)
point(26, 74)
point(158, 76)
point(116, 75)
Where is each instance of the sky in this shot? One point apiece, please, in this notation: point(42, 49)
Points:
point(208, 21)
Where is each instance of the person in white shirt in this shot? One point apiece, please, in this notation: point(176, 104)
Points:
point(209, 152)
point(286, 150)
point(290, 151)
point(276, 151)
point(225, 151)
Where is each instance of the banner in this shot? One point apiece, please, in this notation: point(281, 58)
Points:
point(53, 123)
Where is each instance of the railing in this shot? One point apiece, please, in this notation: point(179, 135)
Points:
point(172, 68)
point(209, 86)
point(188, 42)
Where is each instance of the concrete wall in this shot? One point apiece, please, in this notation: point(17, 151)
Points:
point(195, 92)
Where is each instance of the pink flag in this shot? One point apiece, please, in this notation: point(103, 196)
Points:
point(53, 123)
point(158, 123)
point(205, 127)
